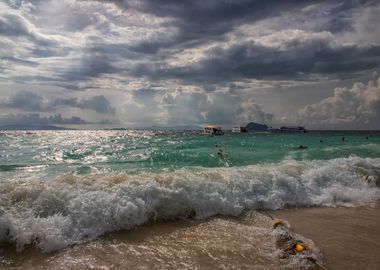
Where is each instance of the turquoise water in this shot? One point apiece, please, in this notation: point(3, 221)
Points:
point(59, 188)
point(96, 152)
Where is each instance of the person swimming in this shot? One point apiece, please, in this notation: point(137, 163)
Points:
point(302, 147)
point(222, 154)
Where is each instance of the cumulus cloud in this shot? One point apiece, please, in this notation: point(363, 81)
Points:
point(251, 111)
point(358, 107)
point(164, 62)
point(197, 108)
point(183, 106)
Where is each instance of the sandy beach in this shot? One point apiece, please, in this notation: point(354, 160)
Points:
point(189, 135)
point(349, 238)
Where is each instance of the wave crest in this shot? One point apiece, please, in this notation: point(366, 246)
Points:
point(72, 209)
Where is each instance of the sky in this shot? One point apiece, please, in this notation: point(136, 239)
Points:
point(142, 63)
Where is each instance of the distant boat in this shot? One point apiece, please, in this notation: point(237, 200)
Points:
point(239, 129)
point(289, 129)
point(213, 130)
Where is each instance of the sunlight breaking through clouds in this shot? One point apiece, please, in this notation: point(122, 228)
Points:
point(162, 62)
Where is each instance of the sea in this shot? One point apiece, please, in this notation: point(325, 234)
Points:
point(146, 199)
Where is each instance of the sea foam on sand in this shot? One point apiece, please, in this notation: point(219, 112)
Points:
point(70, 209)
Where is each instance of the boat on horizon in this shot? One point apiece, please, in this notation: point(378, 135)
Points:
point(213, 130)
point(288, 129)
point(239, 130)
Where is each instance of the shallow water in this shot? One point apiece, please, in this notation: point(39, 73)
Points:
point(61, 188)
point(246, 242)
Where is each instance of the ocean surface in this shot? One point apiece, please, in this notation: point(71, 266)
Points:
point(69, 190)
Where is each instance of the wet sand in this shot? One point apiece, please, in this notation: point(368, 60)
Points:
point(349, 238)
point(244, 242)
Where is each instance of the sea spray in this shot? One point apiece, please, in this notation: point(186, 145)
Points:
point(73, 209)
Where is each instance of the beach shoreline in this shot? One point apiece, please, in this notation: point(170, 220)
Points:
point(348, 237)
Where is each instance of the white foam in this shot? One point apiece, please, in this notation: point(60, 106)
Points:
point(73, 209)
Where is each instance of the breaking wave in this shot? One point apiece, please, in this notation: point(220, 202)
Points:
point(73, 209)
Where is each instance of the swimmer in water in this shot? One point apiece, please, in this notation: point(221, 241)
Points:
point(222, 154)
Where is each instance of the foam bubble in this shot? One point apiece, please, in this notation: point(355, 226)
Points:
point(73, 209)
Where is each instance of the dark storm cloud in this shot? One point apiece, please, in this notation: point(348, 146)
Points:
point(182, 56)
point(26, 100)
point(199, 21)
point(296, 61)
point(101, 59)
point(17, 27)
point(97, 60)
point(97, 103)
point(30, 101)
point(253, 61)
point(91, 65)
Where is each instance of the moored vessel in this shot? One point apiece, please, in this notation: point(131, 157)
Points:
point(213, 130)
point(239, 129)
point(288, 129)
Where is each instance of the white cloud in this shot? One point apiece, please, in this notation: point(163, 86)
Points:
point(253, 112)
point(365, 27)
point(184, 107)
point(128, 48)
point(355, 107)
